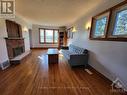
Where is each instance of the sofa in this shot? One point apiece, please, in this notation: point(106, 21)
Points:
point(76, 56)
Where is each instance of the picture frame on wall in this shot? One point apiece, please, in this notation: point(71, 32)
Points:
point(100, 25)
point(70, 33)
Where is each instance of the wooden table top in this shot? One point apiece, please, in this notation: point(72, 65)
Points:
point(53, 51)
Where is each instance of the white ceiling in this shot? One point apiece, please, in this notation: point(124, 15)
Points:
point(54, 12)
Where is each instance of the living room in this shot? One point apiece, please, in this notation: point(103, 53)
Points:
point(70, 47)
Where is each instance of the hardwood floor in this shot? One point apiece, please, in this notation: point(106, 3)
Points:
point(36, 77)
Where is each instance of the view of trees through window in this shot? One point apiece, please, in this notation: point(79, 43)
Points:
point(121, 23)
point(111, 24)
point(42, 35)
point(56, 36)
point(48, 36)
point(100, 27)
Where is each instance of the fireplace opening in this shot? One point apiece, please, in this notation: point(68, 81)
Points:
point(17, 51)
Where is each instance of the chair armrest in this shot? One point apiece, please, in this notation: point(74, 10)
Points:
point(65, 47)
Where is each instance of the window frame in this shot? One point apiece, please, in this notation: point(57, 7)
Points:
point(109, 33)
point(45, 36)
point(115, 12)
point(115, 24)
point(93, 25)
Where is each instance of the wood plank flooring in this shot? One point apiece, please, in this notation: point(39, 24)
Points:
point(36, 77)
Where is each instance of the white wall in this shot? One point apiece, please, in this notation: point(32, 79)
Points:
point(3, 48)
point(107, 57)
point(35, 36)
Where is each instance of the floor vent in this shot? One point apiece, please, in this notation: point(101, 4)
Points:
point(4, 65)
point(88, 71)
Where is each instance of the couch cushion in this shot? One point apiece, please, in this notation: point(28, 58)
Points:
point(67, 53)
point(73, 50)
point(76, 49)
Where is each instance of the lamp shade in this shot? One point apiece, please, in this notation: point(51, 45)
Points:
point(74, 29)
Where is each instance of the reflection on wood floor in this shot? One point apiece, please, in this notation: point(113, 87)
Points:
point(36, 77)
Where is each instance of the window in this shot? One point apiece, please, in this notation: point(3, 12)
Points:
point(42, 35)
point(48, 36)
point(100, 27)
point(121, 23)
point(56, 36)
point(110, 25)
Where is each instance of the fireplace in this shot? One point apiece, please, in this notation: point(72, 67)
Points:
point(15, 40)
point(17, 51)
point(15, 47)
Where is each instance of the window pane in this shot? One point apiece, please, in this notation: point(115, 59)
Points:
point(100, 27)
point(42, 35)
point(121, 23)
point(56, 36)
point(49, 36)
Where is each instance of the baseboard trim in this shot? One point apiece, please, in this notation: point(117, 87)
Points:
point(42, 47)
point(103, 76)
point(100, 74)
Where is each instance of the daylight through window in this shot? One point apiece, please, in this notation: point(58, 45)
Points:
point(121, 23)
point(48, 36)
point(100, 27)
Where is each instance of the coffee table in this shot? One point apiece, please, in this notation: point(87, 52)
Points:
point(53, 56)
